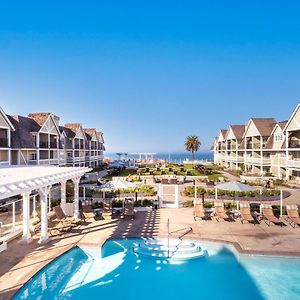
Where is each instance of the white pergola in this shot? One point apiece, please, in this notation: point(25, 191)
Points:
point(24, 180)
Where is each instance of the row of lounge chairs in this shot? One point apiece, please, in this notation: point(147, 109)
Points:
point(245, 214)
point(65, 224)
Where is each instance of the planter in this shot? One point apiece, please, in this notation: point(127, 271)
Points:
point(148, 208)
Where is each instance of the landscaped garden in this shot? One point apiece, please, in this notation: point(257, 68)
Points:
point(267, 194)
point(211, 172)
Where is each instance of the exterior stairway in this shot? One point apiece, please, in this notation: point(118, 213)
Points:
point(175, 249)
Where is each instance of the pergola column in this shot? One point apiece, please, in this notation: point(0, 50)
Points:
point(26, 237)
point(43, 192)
point(63, 197)
point(76, 197)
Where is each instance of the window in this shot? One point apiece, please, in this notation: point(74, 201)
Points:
point(32, 156)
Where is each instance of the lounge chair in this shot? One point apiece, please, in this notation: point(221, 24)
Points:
point(220, 212)
point(129, 209)
point(107, 210)
point(199, 211)
point(60, 215)
point(60, 227)
point(173, 181)
point(245, 213)
point(164, 181)
point(88, 212)
point(293, 215)
point(269, 217)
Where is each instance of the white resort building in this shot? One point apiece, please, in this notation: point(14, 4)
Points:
point(261, 146)
point(38, 139)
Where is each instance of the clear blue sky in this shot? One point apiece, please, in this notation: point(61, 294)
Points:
point(148, 73)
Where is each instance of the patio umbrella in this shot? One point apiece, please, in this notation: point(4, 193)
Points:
point(118, 185)
point(234, 186)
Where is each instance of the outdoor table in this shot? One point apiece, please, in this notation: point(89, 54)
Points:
point(118, 210)
point(97, 211)
point(257, 215)
point(208, 211)
point(234, 212)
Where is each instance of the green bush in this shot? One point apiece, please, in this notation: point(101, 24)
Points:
point(208, 204)
point(188, 203)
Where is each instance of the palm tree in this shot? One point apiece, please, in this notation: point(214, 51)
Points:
point(192, 144)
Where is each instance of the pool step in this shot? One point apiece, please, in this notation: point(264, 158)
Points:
point(176, 249)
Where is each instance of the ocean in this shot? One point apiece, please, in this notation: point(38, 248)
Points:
point(174, 157)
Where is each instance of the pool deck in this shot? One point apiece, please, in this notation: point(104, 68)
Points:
point(21, 261)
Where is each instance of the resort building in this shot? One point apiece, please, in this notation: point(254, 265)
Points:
point(39, 140)
point(261, 147)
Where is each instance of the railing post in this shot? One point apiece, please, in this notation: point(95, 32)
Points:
point(14, 216)
point(34, 213)
point(168, 226)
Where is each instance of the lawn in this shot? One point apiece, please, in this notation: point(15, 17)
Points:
point(122, 173)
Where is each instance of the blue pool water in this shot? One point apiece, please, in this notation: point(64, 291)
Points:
point(116, 272)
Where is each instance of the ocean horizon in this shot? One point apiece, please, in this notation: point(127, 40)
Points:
point(174, 157)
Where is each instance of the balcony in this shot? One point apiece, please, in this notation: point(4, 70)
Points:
point(248, 159)
point(43, 162)
point(3, 143)
point(257, 160)
point(231, 158)
point(240, 159)
point(79, 158)
point(293, 163)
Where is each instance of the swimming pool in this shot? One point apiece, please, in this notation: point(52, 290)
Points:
point(116, 272)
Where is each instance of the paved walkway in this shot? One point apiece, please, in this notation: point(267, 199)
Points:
point(20, 261)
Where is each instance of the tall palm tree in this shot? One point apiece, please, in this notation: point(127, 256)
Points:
point(192, 144)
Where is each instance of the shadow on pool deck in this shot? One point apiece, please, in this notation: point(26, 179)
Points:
point(145, 224)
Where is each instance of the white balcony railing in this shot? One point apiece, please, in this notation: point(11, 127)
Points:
point(293, 163)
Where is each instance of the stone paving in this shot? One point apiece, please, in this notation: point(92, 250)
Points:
point(21, 261)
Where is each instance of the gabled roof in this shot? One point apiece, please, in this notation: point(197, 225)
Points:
point(270, 141)
point(100, 136)
point(74, 127)
point(22, 137)
point(242, 144)
point(223, 132)
point(6, 118)
point(263, 125)
point(68, 132)
point(42, 117)
point(291, 117)
point(282, 124)
point(89, 132)
point(238, 131)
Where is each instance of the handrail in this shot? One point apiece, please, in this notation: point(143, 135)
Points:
point(168, 226)
point(188, 230)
